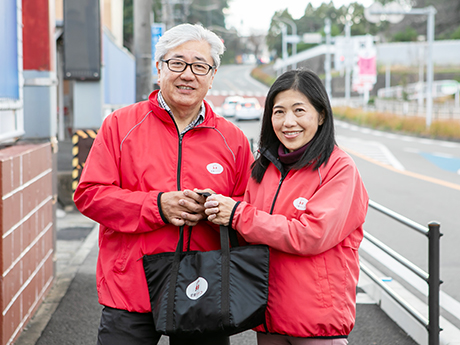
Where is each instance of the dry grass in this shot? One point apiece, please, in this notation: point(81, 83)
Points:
point(258, 74)
point(439, 129)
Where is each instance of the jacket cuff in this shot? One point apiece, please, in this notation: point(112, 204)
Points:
point(230, 222)
point(163, 218)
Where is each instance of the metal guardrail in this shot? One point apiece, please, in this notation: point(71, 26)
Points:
point(432, 277)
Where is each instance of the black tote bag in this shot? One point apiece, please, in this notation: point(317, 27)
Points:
point(222, 291)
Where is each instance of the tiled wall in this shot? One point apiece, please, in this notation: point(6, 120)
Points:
point(26, 225)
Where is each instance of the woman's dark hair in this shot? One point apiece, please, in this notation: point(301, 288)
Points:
point(322, 144)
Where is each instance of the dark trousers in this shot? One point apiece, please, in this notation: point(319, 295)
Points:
point(121, 327)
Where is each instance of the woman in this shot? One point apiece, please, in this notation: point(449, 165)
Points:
point(307, 202)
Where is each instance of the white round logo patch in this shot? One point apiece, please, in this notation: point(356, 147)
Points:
point(197, 288)
point(215, 168)
point(300, 204)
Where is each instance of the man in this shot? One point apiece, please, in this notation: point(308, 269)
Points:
point(139, 180)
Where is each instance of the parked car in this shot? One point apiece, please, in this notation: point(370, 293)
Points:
point(211, 104)
point(248, 109)
point(228, 107)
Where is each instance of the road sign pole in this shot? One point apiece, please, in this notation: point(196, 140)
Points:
point(429, 67)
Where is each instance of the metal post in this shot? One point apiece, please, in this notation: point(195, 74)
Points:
point(387, 80)
point(429, 65)
point(283, 37)
point(143, 48)
point(327, 63)
point(294, 44)
point(430, 12)
point(434, 282)
point(457, 98)
point(348, 62)
point(60, 77)
point(421, 66)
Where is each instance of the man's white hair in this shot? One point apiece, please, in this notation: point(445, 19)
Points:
point(183, 33)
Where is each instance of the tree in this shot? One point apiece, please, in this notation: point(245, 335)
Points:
point(128, 24)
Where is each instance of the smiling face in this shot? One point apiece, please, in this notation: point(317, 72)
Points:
point(184, 91)
point(294, 120)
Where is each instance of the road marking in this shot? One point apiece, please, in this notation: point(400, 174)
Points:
point(365, 130)
point(373, 149)
point(442, 160)
point(403, 172)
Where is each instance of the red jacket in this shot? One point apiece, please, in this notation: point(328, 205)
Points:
point(312, 221)
point(136, 155)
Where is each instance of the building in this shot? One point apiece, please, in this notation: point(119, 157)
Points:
point(40, 110)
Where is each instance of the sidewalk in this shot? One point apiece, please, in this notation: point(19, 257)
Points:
point(70, 313)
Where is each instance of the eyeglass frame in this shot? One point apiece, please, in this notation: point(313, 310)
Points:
point(189, 64)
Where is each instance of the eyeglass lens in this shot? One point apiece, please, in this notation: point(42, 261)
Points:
point(180, 66)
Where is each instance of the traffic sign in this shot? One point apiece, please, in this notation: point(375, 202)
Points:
point(157, 31)
point(312, 38)
point(292, 39)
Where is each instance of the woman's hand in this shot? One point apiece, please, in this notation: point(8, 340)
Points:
point(219, 208)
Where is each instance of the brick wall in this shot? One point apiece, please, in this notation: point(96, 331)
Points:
point(26, 225)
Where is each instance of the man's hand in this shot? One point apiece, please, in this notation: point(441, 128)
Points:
point(183, 208)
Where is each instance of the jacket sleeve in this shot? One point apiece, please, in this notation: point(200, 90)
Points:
point(244, 159)
point(335, 210)
point(100, 196)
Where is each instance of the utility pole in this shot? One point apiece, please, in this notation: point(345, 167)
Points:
point(143, 48)
point(327, 63)
point(166, 14)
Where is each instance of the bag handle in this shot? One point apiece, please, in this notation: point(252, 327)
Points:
point(173, 280)
point(227, 236)
point(225, 287)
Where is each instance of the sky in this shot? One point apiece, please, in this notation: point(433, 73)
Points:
point(253, 16)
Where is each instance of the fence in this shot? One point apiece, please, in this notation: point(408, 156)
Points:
point(442, 111)
point(432, 277)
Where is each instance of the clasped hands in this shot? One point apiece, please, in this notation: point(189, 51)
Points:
point(188, 207)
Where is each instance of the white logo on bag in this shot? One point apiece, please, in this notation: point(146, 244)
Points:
point(197, 288)
point(215, 168)
point(300, 204)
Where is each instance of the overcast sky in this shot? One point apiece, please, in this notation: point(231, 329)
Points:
point(250, 15)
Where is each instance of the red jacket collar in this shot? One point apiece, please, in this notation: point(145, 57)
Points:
point(209, 119)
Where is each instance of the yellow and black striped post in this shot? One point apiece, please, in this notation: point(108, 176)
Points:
point(82, 141)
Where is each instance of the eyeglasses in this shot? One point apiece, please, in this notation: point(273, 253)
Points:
point(198, 68)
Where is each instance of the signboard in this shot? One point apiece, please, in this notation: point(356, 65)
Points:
point(294, 39)
point(365, 72)
point(312, 38)
point(158, 30)
point(82, 40)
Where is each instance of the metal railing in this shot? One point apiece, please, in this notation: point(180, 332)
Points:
point(432, 278)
